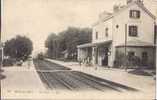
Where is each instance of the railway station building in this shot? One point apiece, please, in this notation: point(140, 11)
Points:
point(129, 30)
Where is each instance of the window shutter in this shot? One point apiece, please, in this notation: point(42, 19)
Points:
point(130, 14)
point(138, 14)
point(135, 31)
point(154, 29)
point(129, 30)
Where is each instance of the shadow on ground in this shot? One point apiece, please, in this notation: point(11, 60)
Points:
point(2, 76)
point(139, 72)
point(109, 83)
point(1, 70)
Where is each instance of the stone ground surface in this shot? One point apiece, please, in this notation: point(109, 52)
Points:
point(20, 79)
point(24, 82)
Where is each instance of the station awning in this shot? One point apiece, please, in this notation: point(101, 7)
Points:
point(87, 45)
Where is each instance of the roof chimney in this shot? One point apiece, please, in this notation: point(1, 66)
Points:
point(138, 1)
point(116, 8)
point(103, 15)
point(129, 1)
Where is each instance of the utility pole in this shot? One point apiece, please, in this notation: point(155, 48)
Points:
point(155, 42)
point(125, 47)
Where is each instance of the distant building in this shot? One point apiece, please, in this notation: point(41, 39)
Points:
point(129, 30)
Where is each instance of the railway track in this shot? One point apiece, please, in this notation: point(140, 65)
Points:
point(56, 78)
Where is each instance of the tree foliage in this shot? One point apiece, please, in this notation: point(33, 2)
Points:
point(67, 40)
point(51, 44)
point(19, 48)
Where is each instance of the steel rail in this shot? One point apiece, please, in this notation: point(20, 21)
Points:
point(61, 81)
point(86, 82)
point(98, 82)
point(67, 79)
point(46, 80)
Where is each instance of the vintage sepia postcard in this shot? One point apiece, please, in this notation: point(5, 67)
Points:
point(78, 49)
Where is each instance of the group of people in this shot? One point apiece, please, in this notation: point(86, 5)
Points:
point(86, 61)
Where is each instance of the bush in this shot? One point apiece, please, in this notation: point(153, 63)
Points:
point(120, 59)
point(8, 62)
point(19, 63)
point(18, 48)
point(130, 61)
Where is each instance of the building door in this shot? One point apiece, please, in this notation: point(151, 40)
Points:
point(105, 58)
point(96, 56)
point(144, 58)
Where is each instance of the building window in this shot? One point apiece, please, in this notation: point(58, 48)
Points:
point(133, 31)
point(144, 55)
point(144, 58)
point(134, 14)
point(106, 32)
point(131, 54)
point(96, 35)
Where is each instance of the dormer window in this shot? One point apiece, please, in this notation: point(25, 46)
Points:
point(134, 14)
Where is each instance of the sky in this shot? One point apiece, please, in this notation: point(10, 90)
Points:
point(37, 19)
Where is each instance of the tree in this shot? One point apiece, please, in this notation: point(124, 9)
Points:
point(75, 36)
point(19, 48)
point(52, 44)
point(67, 40)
